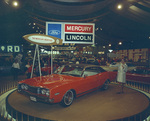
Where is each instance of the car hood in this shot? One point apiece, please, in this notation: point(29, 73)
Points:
point(49, 81)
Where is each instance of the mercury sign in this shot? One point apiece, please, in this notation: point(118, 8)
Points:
point(79, 33)
point(10, 48)
point(78, 28)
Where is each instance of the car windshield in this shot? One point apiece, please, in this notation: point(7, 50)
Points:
point(72, 70)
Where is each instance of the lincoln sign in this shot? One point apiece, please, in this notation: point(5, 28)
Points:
point(79, 33)
point(41, 39)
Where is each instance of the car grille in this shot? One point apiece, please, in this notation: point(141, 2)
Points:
point(33, 89)
point(24, 88)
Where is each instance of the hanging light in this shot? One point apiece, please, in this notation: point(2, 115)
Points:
point(120, 43)
point(15, 3)
point(119, 7)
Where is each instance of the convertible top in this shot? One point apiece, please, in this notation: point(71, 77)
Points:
point(84, 65)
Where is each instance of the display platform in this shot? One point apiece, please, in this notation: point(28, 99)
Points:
point(95, 106)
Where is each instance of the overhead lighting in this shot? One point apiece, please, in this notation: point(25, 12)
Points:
point(120, 43)
point(110, 50)
point(119, 7)
point(15, 3)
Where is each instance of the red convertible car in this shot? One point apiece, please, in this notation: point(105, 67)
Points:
point(67, 82)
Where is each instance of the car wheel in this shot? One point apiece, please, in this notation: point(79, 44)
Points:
point(67, 98)
point(106, 85)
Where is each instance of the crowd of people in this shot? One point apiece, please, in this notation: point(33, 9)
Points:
point(20, 65)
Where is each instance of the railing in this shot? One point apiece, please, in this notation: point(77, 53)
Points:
point(8, 86)
point(145, 87)
point(139, 85)
point(13, 115)
point(4, 116)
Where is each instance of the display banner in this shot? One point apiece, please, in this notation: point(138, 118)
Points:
point(41, 39)
point(54, 30)
point(10, 48)
point(78, 33)
point(79, 28)
point(79, 38)
point(64, 48)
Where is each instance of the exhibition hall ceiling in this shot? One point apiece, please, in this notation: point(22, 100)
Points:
point(126, 21)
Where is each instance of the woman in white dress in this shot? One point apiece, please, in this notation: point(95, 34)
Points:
point(121, 76)
point(15, 69)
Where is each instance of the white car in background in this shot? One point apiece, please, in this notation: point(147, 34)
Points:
point(113, 65)
point(90, 60)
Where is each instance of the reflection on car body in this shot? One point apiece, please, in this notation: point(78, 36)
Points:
point(68, 81)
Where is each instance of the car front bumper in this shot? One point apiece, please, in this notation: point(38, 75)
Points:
point(35, 97)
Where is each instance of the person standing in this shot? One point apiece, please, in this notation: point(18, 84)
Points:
point(29, 70)
point(121, 75)
point(15, 69)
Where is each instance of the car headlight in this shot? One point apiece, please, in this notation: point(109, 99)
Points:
point(24, 87)
point(45, 92)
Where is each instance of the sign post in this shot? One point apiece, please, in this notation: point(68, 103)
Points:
point(40, 39)
point(58, 33)
point(36, 51)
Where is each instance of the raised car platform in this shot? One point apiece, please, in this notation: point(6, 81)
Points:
point(95, 106)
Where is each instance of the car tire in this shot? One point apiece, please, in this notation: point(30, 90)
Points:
point(67, 98)
point(105, 85)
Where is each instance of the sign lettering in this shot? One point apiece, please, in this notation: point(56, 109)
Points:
point(79, 37)
point(10, 48)
point(16, 49)
point(79, 28)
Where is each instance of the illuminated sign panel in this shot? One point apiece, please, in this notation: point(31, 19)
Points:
point(78, 38)
point(79, 28)
point(10, 48)
point(79, 33)
point(65, 48)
